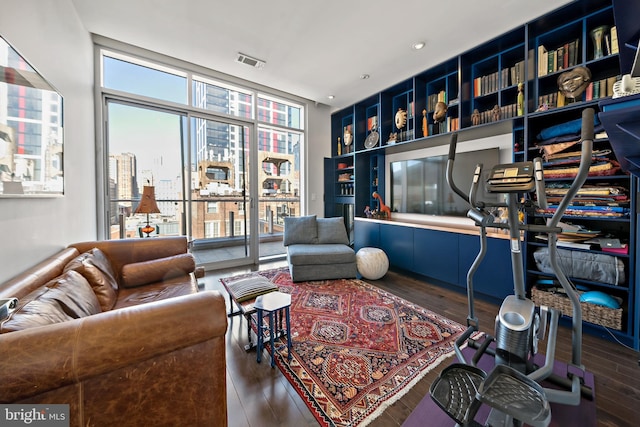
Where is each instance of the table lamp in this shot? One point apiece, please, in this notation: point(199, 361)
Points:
point(148, 206)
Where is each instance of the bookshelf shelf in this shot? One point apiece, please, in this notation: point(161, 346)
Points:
point(487, 79)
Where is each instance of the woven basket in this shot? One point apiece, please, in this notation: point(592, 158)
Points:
point(598, 314)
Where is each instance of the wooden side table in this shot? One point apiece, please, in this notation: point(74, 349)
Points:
point(272, 305)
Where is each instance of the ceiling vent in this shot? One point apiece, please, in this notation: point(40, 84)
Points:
point(246, 59)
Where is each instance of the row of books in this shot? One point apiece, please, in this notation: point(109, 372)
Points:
point(611, 42)
point(597, 89)
point(451, 124)
point(568, 55)
point(434, 98)
point(506, 112)
point(562, 58)
point(600, 88)
point(498, 80)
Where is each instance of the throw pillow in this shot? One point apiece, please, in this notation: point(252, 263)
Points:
point(332, 230)
point(300, 230)
point(96, 268)
point(67, 297)
point(156, 270)
point(247, 288)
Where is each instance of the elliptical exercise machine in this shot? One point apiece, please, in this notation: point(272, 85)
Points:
point(512, 388)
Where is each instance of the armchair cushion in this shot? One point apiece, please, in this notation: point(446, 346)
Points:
point(142, 273)
point(332, 230)
point(67, 297)
point(300, 230)
point(96, 268)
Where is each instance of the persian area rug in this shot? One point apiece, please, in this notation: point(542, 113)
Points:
point(357, 349)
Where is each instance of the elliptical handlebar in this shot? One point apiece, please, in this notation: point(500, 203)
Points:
point(452, 157)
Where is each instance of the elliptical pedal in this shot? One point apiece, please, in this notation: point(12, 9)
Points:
point(454, 392)
point(513, 393)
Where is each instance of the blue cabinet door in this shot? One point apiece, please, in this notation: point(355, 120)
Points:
point(494, 277)
point(367, 234)
point(397, 242)
point(436, 255)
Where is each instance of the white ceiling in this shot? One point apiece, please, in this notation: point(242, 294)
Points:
point(311, 49)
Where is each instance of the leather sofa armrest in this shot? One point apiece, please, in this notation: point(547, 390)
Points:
point(199, 272)
point(40, 359)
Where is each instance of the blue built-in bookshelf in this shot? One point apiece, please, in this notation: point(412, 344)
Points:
point(480, 88)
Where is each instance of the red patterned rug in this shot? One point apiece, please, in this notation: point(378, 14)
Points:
point(356, 348)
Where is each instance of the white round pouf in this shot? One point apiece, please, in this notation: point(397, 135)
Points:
point(372, 263)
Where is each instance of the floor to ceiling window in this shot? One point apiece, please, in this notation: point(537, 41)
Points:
point(223, 160)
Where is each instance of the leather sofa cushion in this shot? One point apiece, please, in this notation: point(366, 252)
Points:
point(96, 268)
point(67, 297)
point(157, 270)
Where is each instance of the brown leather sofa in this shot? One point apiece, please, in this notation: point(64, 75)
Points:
point(131, 343)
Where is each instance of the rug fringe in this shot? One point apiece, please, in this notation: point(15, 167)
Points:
point(383, 407)
point(405, 390)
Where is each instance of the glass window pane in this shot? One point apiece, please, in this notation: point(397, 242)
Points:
point(279, 113)
point(226, 100)
point(141, 80)
point(144, 149)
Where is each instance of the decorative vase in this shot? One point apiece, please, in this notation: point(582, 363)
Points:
point(597, 35)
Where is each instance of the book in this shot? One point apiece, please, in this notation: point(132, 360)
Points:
point(624, 250)
point(589, 92)
point(561, 100)
point(551, 65)
point(543, 61)
point(610, 82)
point(531, 64)
point(560, 58)
point(572, 54)
point(614, 40)
point(565, 244)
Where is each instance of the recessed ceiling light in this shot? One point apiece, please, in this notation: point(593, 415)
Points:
point(331, 96)
point(364, 76)
point(418, 45)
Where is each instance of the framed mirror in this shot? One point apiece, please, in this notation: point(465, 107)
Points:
point(31, 130)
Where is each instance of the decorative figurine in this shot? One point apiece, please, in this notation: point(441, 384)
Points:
point(440, 112)
point(393, 137)
point(597, 35)
point(384, 210)
point(339, 147)
point(573, 82)
point(543, 107)
point(401, 118)
point(475, 117)
point(348, 139)
point(520, 99)
point(367, 212)
point(425, 128)
point(496, 113)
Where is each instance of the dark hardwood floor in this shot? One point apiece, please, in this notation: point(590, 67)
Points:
point(259, 396)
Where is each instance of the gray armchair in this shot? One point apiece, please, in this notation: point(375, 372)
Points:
point(318, 249)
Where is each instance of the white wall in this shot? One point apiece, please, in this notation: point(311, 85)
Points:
point(50, 36)
point(318, 147)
